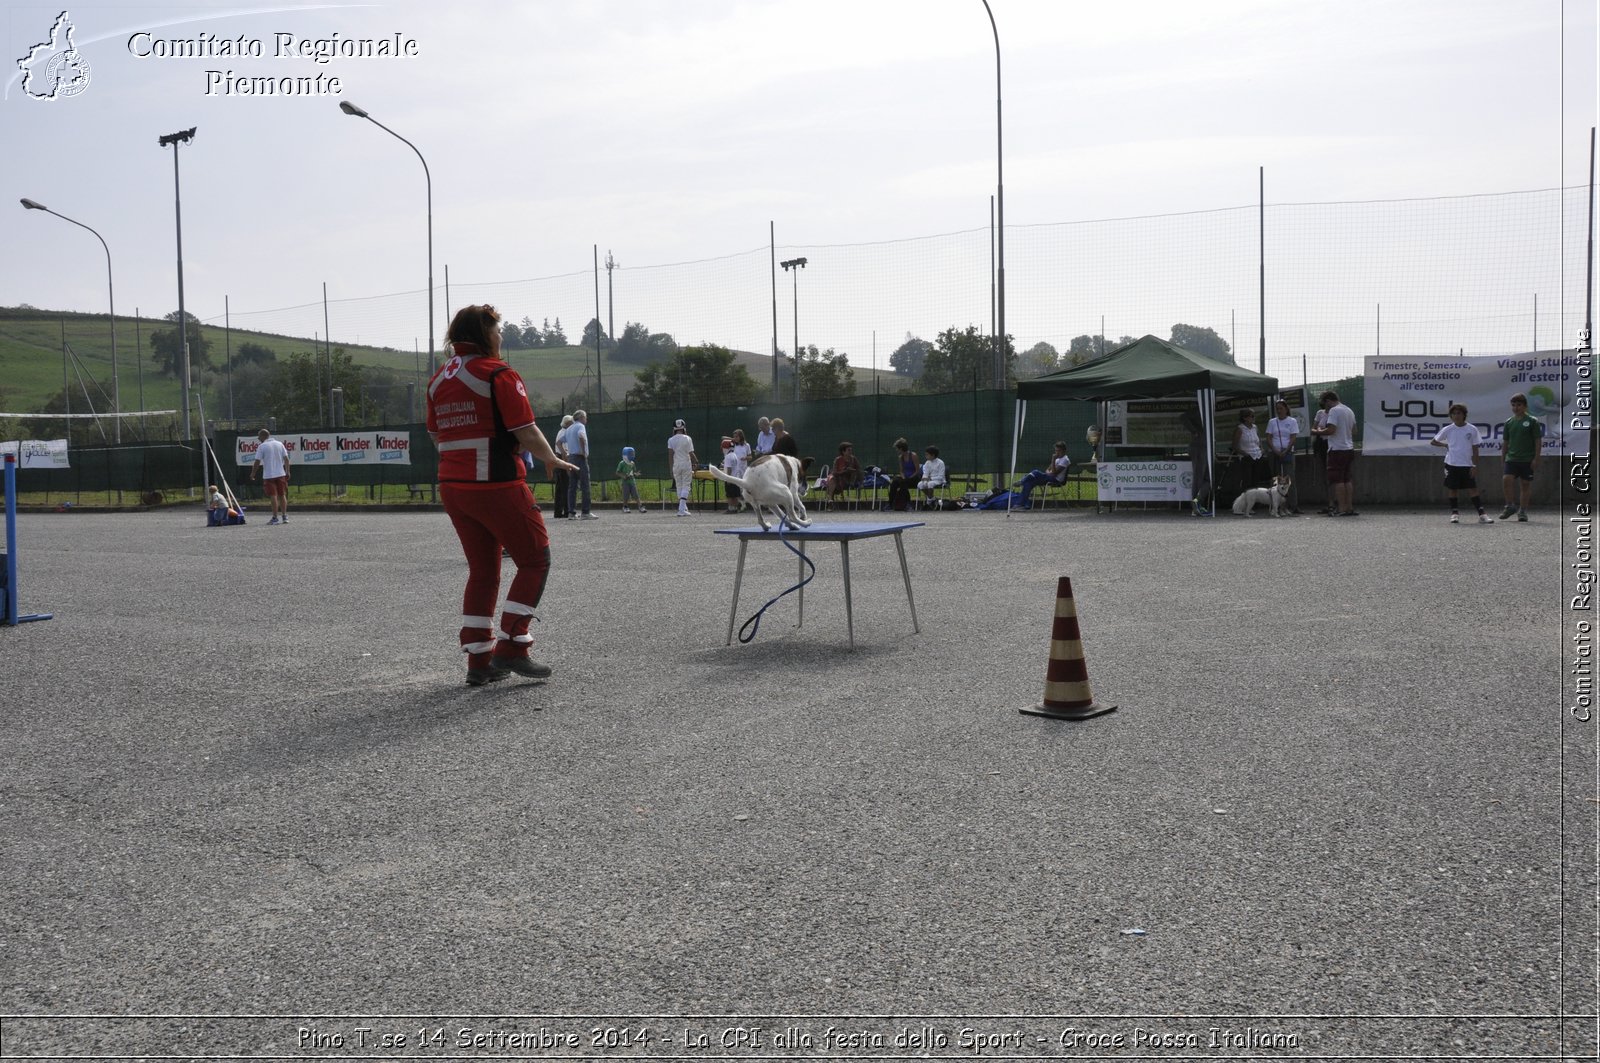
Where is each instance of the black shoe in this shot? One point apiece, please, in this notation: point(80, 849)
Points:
point(500, 667)
point(482, 677)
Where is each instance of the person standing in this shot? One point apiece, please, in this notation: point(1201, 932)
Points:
point(1340, 431)
point(783, 442)
point(628, 474)
point(1523, 442)
point(1461, 441)
point(740, 453)
point(578, 454)
point(1247, 450)
point(1319, 455)
point(1199, 464)
point(272, 468)
point(562, 479)
point(480, 419)
point(681, 460)
point(1282, 431)
point(765, 436)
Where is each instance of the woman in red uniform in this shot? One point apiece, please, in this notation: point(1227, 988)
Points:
point(481, 422)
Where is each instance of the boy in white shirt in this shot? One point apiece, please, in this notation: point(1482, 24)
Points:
point(933, 473)
point(1460, 441)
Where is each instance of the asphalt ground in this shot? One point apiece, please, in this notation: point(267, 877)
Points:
point(242, 776)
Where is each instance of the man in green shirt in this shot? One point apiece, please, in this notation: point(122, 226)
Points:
point(1522, 443)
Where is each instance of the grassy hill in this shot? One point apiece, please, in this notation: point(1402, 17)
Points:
point(31, 363)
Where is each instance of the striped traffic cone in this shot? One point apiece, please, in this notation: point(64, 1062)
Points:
point(1066, 682)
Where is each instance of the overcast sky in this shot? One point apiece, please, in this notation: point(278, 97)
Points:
point(668, 130)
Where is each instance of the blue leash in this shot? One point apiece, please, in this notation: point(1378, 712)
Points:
point(754, 623)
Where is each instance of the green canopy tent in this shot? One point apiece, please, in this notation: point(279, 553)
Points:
point(1147, 368)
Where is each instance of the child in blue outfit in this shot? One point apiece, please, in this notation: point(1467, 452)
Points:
point(628, 473)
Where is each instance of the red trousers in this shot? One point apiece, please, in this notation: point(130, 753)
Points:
point(487, 518)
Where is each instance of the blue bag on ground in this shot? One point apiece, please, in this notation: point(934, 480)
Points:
point(1002, 501)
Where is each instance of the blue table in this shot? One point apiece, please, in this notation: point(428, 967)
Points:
point(844, 535)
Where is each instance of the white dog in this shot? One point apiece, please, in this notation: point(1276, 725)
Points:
point(776, 481)
point(1273, 497)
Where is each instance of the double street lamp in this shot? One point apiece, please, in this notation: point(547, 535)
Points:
point(173, 140)
point(116, 390)
point(794, 266)
point(351, 109)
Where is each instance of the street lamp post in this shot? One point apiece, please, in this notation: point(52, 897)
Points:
point(794, 266)
point(111, 292)
point(351, 109)
point(1000, 241)
point(175, 139)
point(1000, 215)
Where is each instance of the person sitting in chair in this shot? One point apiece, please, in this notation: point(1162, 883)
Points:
point(846, 474)
point(933, 473)
point(1054, 473)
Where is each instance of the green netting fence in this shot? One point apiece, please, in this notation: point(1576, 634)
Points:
point(972, 430)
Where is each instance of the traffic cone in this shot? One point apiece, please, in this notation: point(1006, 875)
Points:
point(1066, 681)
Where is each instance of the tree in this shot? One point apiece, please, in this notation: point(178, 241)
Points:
point(252, 353)
point(511, 338)
point(961, 361)
point(298, 394)
point(553, 336)
point(1202, 341)
point(1037, 360)
point(633, 345)
point(694, 376)
point(909, 358)
point(1088, 348)
point(590, 331)
point(166, 346)
point(532, 338)
point(826, 375)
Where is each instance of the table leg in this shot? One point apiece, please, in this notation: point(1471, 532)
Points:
point(738, 579)
point(905, 574)
point(800, 577)
point(849, 617)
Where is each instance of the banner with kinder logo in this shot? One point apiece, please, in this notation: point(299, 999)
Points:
point(335, 448)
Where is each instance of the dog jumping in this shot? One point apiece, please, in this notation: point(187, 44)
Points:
point(1275, 498)
point(775, 481)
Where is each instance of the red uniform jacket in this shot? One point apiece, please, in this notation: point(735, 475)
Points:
point(475, 405)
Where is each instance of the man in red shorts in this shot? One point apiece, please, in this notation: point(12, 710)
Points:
point(272, 462)
point(1339, 429)
point(481, 421)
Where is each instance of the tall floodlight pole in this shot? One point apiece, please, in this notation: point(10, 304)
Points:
point(351, 109)
point(111, 292)
point(794, 266)
point(772, 254)
point(1000, 217)
point(1000, 241)
point(173, 140)
point(1261, 235)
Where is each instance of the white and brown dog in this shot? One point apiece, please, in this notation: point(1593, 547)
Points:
point(1275, 498)
point(776, 481)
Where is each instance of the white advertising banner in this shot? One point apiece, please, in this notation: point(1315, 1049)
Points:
point(1146, 481)
point(335, 448)
point(1408, 400)
point(37, 453)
